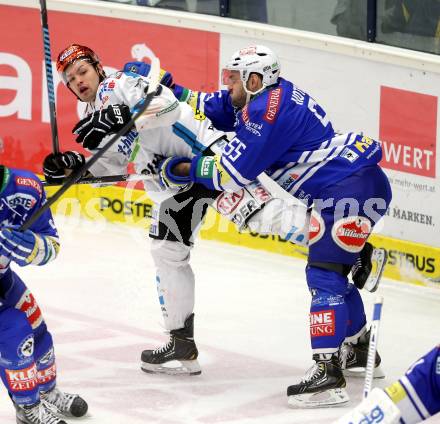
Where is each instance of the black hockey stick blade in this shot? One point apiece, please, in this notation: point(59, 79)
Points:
point(106, 179)
point(137, 111)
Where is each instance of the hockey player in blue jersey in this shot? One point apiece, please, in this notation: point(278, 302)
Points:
point(27, 360)
point(283, 131)
point(413, 398)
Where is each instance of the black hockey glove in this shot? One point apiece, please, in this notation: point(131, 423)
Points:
point(95, 127)
point(55, 165)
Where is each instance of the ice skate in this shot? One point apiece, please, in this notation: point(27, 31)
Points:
point(354, 358)
point(368, 268)
point(38, 413)
point(323, 385)
point(66, 404)
point(178, 356)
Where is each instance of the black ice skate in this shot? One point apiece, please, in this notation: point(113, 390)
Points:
point(65, 404)
point(178, 356)
point(322, 386)
point(38, 413)
point(354, 358)
point(368, 268)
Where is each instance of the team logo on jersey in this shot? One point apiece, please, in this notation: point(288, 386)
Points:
point(24, 200)
point(273, 105)
point(29, 306)
point(26, 347)
point(351, 233)
point(227, 202)
point(29, 182)
point(245, 114)
point(316, 228)
point(22, 380)
point(322, 323)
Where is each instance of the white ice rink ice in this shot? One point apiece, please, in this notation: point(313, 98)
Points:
point(251, 327)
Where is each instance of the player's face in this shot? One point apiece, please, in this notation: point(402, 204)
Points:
point(83, 80)
point(235, 88)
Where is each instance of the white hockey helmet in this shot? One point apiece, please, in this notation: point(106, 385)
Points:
point(258, 59)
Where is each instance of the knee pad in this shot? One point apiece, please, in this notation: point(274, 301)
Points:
point(169, 253)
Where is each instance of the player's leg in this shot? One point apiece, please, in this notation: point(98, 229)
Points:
point(18, 369)
point(412, 399)
point(332, 252)
point(173, 230)
point(23, 300)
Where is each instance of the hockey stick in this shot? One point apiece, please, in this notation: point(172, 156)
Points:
point(105, 179)
point(137, 112)
point(372, 348)
point(49, 77)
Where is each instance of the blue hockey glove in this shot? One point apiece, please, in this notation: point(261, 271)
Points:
point(167, 178)
point(92, 129)
point(20, 247)
point(143, 68)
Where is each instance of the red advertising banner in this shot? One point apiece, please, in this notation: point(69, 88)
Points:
point(408, 130)
point(192, 57)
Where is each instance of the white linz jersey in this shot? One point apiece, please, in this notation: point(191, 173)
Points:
point(167, 128)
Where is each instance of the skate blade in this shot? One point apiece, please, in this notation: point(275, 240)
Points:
point(327, 398)
point(360, 372)
point(378, 262)
point(173, 368)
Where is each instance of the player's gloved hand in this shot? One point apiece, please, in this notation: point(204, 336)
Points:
point(143, 68)
point(55, 165)
point(166, 175)
point(92, 129)
point(19, 246)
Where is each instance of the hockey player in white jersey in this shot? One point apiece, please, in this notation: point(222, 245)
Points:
point(179, 208)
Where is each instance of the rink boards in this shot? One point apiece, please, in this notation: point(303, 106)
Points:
point(407, 262)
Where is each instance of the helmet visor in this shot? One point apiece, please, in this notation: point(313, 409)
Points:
point(229, 76)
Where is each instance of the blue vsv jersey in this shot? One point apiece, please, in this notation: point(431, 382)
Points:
point(21, 194)
point(284, 132)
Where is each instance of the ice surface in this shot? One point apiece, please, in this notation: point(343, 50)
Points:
point(251, 326)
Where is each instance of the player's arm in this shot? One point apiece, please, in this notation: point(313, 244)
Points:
point(37, 245)
point(216, 106)
point(116, 97)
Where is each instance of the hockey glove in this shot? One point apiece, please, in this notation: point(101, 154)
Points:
point(55, 165)
point(143, 68)
point(167, 178)
point(92, 129)
point(26, 247)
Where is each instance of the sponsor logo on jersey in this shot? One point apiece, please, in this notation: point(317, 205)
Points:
point(22, 380)
point(259, 192)
point(227, 202)
point(322, 323)
point(24, 200)
point(351, 233)
point(29, 182)
point(316, 228)
point(47, 375)
point(273, 105)
point(29, 306)
point(26, 347)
